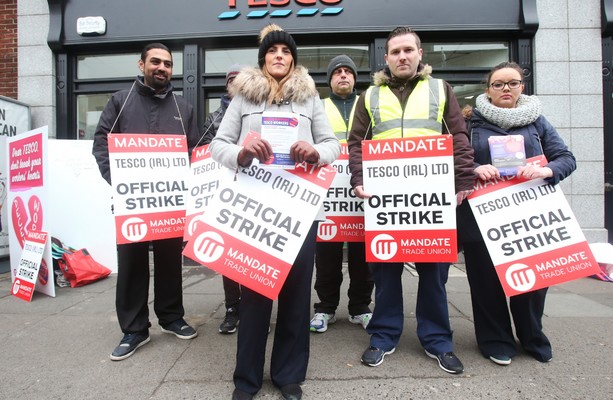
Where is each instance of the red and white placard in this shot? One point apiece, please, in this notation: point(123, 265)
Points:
point(149, 175)
point(531, 233)
point(344, 210)
point(256, 224)
point(411, 214)
point(206, 175)
point(29, 266)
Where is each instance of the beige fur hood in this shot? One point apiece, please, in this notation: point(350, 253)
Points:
point(253, 86)
point(383, 77)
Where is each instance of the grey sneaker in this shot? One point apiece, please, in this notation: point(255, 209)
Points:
point(362, 319)
point(320, 322)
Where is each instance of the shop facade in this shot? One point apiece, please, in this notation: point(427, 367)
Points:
point(90, 49)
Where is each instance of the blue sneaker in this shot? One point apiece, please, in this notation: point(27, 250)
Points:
point(129, 344)
point(180, 329)
point(448, 362)
point(501, 359)
point(373, 356)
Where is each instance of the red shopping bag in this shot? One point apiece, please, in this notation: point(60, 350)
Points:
point(81, 269)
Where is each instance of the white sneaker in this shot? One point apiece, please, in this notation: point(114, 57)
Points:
point(363, 319)
point(320, 322)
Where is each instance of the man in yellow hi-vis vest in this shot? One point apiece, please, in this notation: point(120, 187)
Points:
point(405, 101)
point(339, 107)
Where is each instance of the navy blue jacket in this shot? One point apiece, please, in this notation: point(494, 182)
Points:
point(540, 137)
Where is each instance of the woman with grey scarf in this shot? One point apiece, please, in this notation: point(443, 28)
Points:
point(504, 110)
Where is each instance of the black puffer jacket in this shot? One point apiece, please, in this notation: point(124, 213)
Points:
point(144, 112)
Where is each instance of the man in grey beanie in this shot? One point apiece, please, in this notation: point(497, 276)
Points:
point(342, 75)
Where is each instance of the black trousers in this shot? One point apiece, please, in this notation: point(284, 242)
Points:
point(132, 295)
point(232, 293)
point(329, 276)
point(290, 350)
point(493, 328)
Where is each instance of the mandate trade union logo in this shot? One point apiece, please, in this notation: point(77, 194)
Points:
point(16, 286)
point(327, 230)
point(134, 229)
point(282, 13)
point(520, 277)
point(384, 247)
point(208, 247)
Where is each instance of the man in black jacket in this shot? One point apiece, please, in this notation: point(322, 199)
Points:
point(149, 106)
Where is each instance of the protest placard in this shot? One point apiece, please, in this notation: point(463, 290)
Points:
point(344, 210)
point(30, 265)
point(28, 198)
point(206, 175)
point(149, 179)
point(411, 214)
point(256, 224)
point(531, 233)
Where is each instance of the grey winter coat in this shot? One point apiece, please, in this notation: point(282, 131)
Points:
point(249, 95)
point(249, 100)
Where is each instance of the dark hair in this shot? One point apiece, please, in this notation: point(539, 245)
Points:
point(402, 30)
point(502, 65)
point(150, 46)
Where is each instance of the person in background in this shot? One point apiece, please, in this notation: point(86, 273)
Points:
point(231, 289)
point(151, 107)
point(342, 74)
point(279, 85)
point(503, 110)
point(404, 83)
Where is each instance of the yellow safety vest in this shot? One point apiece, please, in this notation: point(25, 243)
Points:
point(340, 129)
point(422, 115)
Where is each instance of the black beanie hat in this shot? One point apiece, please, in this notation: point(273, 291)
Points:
point(341, 61)
point(272, 34)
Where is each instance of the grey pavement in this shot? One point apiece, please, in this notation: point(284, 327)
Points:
point(58, 348)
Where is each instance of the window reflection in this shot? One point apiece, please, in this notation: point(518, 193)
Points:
point(117, 65)
point(467, 94)
point(89, 108)
point(449, 55)
point(314, 58)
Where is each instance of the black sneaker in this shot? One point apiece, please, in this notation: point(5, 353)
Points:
point(230, 322)
point(129, 344)
point(293, 391)
point(180, 329)
point(448, 362)
point(240, 395)
point(374, 356)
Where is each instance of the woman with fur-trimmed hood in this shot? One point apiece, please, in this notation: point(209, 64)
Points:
point(278, 85)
